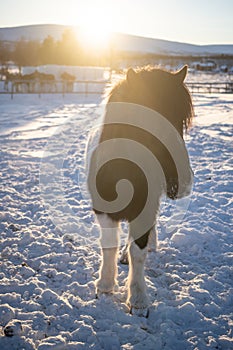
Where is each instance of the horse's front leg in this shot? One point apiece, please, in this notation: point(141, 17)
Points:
point(137, 293)
point(109, 242)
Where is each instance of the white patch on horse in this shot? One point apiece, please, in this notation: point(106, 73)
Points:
point(153, 245)
point(153, 240)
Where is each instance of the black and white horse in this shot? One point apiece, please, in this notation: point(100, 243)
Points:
point(140, 156)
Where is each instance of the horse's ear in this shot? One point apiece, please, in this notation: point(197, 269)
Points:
point(130, 75)
point(181, 74)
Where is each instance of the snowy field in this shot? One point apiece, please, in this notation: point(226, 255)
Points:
point(49, 240)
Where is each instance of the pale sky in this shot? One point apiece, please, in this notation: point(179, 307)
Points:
point(192, 21)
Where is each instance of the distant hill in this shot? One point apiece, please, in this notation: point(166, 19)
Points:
point(122, 42)
point(132, 43)
point(32, 32)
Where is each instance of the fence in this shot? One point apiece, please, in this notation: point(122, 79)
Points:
point(21, 86)
point(87, 87)
point(219, 87)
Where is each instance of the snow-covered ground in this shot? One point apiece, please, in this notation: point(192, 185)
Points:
point(49, 240)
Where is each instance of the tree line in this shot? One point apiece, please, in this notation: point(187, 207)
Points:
point(66, 51)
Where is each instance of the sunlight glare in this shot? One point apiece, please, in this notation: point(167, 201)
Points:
point(94, 38)
point(95, 33)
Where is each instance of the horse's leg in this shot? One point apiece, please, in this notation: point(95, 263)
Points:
point(124, 255)
point(152, 246)
point(109, 242)
point(153, 240)
point(137, 294)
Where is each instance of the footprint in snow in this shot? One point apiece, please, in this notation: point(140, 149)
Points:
point(12, 328)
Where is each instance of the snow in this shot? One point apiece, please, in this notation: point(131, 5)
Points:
point(49, 238)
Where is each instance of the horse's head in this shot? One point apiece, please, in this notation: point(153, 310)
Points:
point(162, 91)
point(166, 93)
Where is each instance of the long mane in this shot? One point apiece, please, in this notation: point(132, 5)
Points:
point(176, 102)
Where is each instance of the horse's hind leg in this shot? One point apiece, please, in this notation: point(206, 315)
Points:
point(137, 294)
point(153, 240)
point(124, 255)
point(109, 242)
point(152, 246)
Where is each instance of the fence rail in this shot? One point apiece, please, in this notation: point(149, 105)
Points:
point(24, 86)
point(211, 87)
point(87, 87)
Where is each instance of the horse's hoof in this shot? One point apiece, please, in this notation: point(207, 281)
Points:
point(124, 260)
point(139, 312)
point(99, 294)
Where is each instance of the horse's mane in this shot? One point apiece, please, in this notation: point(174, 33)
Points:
point(169, 98)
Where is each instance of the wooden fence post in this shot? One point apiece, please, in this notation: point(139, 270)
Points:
point(12, 90)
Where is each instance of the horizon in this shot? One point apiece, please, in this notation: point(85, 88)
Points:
point(137, 35)
point(199, 23)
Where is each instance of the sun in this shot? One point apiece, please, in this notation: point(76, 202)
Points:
point(94, 37)
point(95, 29)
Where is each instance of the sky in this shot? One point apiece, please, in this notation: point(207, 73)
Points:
point(191, 21)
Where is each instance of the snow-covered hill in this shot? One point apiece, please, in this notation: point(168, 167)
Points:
point(132, 43)
point(32, 32)
point(123, 42)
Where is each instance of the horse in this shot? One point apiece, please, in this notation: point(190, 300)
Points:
point(141, 141)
